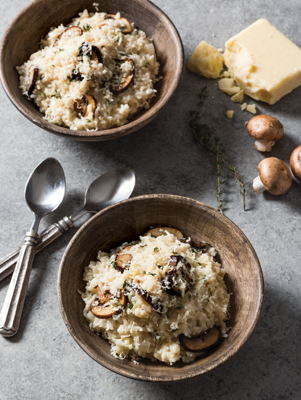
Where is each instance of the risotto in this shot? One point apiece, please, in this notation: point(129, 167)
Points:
point(161, 298)
point(94, 74)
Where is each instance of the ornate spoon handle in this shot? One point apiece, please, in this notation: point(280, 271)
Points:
point(8, 263)
point(11, 312)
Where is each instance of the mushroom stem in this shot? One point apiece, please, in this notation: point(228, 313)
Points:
point(263, 145)
point(258, 185)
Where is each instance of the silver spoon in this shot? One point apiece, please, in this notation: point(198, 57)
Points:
point(45, 190)
point(108, 189)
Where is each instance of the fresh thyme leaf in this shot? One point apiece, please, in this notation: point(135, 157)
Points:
point(203, 135)
point(70, 79)
point(42, 94)
point(181, 306)
point(109, 103)
point(131, 306)
point(150, 333)
point(204, 277)
point(87, 28)
point(199, 263)
point(88, 120)
point(61, 49)
point(147, 64)
point(189, 296)
point(151, 273)
point(114, 264)
point(174, 252)
point(180, 291)
point(144, 272)
point(153, 236)
point(156, 250)
point(208, 298)
point(124, 284)
point(42, 77)
point(159, 266)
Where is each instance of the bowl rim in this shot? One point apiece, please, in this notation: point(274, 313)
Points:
point(106, 134)
point(233, 350)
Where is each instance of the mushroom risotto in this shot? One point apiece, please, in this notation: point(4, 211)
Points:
point(94, 74)
point(162, 297)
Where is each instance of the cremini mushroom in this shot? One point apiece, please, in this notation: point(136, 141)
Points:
point(266, 130)
point(121, 83)
point(71, 31)
point(81, 105)
point(178, 279)
point(157, 306)
point(274, 176)
point(155, 232)
point(200, 343)
point(32, 82)
point(121, 23)
point(96, 55)
point(123, 259)
point(102, 307)
point(295, 162)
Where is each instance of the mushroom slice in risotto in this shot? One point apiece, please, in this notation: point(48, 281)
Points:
point(120, 23)
point(32, 82)
point(96, 55)
point(157, 306)
point(202, 342)
point(123, 259)
point(103, 307)
point(155, 232)
point(121, 83)
point(179, 278)
point(69, 32)
point(81, 105)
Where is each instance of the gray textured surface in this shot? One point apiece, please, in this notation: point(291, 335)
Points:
point(43, 361)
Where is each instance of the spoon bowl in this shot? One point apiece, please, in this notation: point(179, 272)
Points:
point(45, 188)
point(110, 188)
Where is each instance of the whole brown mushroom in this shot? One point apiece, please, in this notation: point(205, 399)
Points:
point(274, 176)
point(266, 130)
point(295, 162)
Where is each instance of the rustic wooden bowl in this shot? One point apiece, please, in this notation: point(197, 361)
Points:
point(127, 220)
point(24, 34)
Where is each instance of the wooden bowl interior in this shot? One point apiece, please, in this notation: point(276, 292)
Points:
point(125, 222)
point(23, 37)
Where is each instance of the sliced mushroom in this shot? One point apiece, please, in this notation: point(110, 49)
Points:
point(121, 23)
point(123, 83)
point(96, 54)
point(77, 76)
point(123, 259)
point(179, 269)
point(100, 307)
point(161, 231)
point(33, 78)
point(71, 31)
point(200, 343)
point(81, 105)
point(157, 306)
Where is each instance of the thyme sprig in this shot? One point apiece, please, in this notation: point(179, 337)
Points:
point(204, 135)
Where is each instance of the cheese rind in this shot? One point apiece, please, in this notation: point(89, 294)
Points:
point(206, 61)
point(264, 62)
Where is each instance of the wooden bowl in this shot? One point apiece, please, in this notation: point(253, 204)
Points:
point(127, 220)
point(24, 34)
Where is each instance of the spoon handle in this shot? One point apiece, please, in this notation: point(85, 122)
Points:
point(8, 263)
point(13, 304)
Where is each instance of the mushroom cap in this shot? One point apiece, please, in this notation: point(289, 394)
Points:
point(265, 127)
point(275, 175)
point(295, 162)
